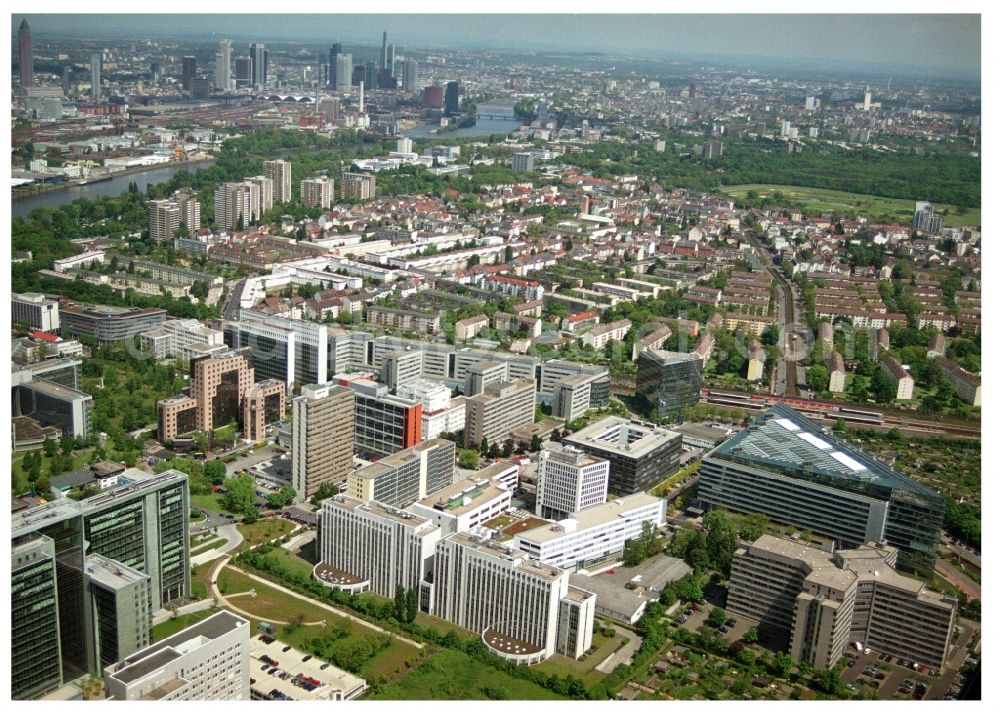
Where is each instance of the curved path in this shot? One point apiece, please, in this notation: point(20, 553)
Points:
point(217, 569)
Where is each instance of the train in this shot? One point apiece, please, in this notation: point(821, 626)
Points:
point(762, 402)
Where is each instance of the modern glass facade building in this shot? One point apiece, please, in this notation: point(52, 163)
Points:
point(667, 382)
point(116, 558)
point(784, 466)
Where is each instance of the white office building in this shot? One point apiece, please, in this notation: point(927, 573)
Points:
point(369, 546)
point(37, 312)
point(209, 660)
point(182, 339)
point(464, 505)
point(516, 604)
point(441, 412)
point(593, 534)
point(569, 480)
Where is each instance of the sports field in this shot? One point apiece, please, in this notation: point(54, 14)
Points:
point(874, 208)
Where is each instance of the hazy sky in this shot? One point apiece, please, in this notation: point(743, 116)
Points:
point(943, 41)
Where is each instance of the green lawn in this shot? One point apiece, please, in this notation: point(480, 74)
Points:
point(205, 546)
point(208, 501)
point(264, 530)
point(584, 668)
point(232, 582)
point(820, 200)
point(450, 674)
point(443, 626)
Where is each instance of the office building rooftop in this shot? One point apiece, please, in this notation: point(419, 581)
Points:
point(622, 436)
point(785, 441)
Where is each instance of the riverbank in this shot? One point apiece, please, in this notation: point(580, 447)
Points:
point(111, 185)
point(17, 193)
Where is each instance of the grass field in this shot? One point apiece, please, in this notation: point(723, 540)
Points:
point(870, 206)
point(203, 547)
point(208, 501)
point(264, 530)
point(561, 665)
point(450, 674)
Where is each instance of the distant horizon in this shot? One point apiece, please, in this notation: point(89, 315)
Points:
point(942, 45)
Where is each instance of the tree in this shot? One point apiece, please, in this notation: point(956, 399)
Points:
point(751, 636)
point(215, 471)
point(536, 443)
point(399, 603)
point(251, 515)
point(50, 446)
point(327, 489)
point(412, 605)
point(781, 664)
point(818, 377)
point(484, 447)
point(717, 617)
point(494, 451)
point(828, 682)
point(508, 447)
point(240, 494)
point(468, 459)
point(882, 387)
point(722, 540)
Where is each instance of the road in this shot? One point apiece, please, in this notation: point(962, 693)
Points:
point(955, 577)
point(231, 310)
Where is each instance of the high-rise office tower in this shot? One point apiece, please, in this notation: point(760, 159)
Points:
point(280, 173)
point(390, 59)
point(361, 97)
point(95, 75)
point(335, 49)
point(371, 74)
point(451, 91)
point(329, 108)
point(498, 411)
point(524, 610)
point(372, 546)
point(223, 67)
point(868, 100)
point(692, 91)
point(115, 558)
point(342, 73)
point(403, 478)
point(410, 75)
point(385, 50)
point(322, 437)
point(243, 72)
point(189, 68)
point(258, 65)
point(67, 80)
point(25, 55)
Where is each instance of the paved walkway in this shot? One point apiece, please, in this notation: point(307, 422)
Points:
point(162, 615)
point(333, 610)
point(299, 539)
point(622, 655)
point(233, 540)
point(957, 578)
